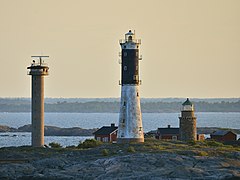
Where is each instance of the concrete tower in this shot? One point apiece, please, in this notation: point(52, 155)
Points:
point(188, 127)
point(130, 127)
point(38, 70)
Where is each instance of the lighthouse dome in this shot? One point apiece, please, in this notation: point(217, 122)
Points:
point(187, 105)
point(130, 32)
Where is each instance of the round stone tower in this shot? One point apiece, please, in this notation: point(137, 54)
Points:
point(187, 124)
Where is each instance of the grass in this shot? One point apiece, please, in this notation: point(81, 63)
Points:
point(202, 153)
point(89, 143)
point(105, 152)
point(55, 145)
point(196, 148)
point(131, 149)
point(94, 149)
point(214, 144)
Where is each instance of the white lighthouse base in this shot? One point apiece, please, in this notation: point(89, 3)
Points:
point(130, 127)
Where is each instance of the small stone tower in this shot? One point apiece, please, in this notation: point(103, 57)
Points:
point(187, 127)
point(38, 70)
point(130, 127)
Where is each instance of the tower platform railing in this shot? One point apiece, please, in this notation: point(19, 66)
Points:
point(138, 82)
point(137, 41)
point(38, 64)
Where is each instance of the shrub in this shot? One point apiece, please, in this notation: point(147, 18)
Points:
point(55, 145)
point(71, 147)
point(131, 149)
point(105, 152)
point(89, 143)
point(213, 143)
point(202, 153)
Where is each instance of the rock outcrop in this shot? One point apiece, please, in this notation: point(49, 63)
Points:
point(90, 164)
point(152, 159)
point(7, 129)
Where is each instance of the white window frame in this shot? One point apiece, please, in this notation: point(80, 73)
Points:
point(105, 139)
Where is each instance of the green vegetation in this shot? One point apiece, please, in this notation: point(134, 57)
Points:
point(55, 145)
point(89, 143)
point(92, 149)
point(105, 152)
point(193, 148)
point(202, 153)
point(192, 143)
point(214, 143)
point(131, 149)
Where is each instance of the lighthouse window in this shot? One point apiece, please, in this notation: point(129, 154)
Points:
point(135, 77)
point(125, 54)
point(123, 121)
point(125, 68)
point(124, 103)
point(140, 128)
point(137, 94)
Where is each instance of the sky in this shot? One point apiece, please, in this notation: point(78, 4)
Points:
point(190, 48)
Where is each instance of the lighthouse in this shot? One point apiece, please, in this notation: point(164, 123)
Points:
point(187, 124)
point(130, 127)
point(38, 70)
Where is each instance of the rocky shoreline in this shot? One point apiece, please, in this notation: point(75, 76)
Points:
point(151, 160)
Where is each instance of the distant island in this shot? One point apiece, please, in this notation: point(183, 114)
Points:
point(111, 105)
point(52, 130)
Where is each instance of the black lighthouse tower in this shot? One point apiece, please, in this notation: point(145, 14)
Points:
point(130, 59)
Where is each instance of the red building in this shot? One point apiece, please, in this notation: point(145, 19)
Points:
point(223, 136)
point(168, 133)
point(106, 133)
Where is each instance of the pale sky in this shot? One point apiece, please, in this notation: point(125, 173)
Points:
point(190, 48)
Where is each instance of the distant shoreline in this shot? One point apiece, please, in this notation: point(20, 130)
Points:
point(112, 105)
point(77, 131)
point(51, 130)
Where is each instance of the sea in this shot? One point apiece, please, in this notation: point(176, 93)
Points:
point(151, 121)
